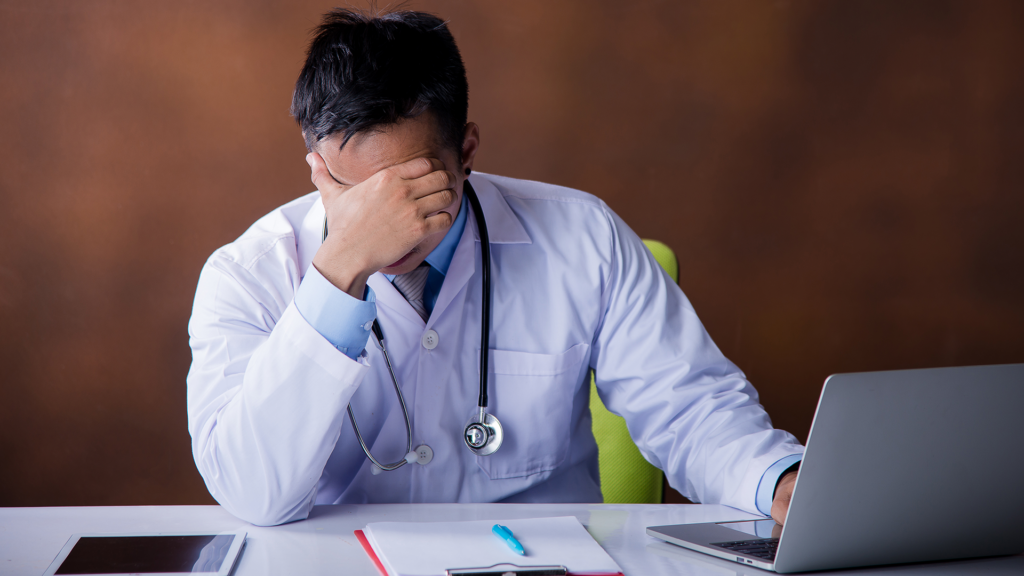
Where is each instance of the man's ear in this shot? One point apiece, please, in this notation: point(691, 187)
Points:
point(470, 145)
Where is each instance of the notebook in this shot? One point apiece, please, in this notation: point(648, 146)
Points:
point(433, 548)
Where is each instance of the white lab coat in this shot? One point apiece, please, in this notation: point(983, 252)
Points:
point(573, 289)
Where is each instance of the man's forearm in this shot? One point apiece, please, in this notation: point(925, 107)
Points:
point(264, 407)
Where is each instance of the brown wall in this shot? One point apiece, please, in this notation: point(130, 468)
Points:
point(841, 182)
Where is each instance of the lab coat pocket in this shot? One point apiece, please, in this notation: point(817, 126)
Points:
point(531, 394)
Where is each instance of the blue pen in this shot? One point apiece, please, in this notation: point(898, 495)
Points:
point(506, 535)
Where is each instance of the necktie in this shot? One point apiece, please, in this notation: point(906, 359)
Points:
point(411, 286)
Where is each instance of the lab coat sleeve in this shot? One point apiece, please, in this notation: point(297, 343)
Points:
point(266, 392)
point(690, 411)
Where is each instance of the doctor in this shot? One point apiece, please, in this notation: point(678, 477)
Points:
point(282, 321)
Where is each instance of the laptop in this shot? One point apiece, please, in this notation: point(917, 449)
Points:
point(901, 466)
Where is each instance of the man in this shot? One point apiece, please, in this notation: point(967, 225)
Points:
point(283, 316)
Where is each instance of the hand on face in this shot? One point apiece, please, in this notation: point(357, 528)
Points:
point(378, 222)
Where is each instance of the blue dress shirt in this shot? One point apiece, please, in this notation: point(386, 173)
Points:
point(345, 321)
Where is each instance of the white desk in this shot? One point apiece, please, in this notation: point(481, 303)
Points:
point(31, 537)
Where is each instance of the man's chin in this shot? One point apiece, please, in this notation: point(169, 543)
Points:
point(407, 264)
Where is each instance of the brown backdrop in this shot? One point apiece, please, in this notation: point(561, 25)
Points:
point(840, 180)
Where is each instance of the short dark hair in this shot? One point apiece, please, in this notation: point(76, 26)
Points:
point(366, 71)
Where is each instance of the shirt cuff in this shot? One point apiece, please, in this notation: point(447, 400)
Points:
point(344, 321)
point(766, 487)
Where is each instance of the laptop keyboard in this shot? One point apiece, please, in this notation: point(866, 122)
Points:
point(763, 548)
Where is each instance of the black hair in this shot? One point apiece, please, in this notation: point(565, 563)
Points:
point(364, 72)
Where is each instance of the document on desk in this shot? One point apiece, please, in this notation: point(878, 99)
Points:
point(435, 548)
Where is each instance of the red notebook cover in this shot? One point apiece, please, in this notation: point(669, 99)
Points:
point(369, 552)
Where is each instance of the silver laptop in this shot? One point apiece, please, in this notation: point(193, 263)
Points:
point(902, 466)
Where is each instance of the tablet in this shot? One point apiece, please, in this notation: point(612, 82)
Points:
point(154, 554)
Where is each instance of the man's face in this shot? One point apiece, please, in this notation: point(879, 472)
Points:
point(371, 151)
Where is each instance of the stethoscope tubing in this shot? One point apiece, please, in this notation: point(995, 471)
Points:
point(485, 331)
point(379, 336)
point(485, 306)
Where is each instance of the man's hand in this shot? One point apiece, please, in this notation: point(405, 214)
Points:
point(783, 494)
point(375, 223)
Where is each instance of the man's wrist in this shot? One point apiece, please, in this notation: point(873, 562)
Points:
point(352, 283)
point(765, 493)
point(343, 320)
point(791, 470)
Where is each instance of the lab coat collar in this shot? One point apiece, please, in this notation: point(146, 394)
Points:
point(503, 226)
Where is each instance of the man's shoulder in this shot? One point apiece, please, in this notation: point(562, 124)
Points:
point(552, 214)
point(528, 190)
point(277, 230)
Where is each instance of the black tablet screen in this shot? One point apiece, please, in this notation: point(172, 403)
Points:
point(146, 554)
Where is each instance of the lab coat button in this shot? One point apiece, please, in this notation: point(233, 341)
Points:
point(429, 340)
point(424, 454)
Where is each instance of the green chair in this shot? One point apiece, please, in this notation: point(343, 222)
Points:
point(626, 477)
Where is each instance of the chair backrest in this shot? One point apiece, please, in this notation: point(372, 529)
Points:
point(626, 477)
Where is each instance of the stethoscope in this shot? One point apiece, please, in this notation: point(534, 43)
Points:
point(483, 433)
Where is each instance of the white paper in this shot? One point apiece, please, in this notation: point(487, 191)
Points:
point(430, 548)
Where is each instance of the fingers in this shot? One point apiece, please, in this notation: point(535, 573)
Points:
point(421, 181)
point(438, 223)
point(319, 174)
point(433, 182)
point(436, 201)
point(416, 168)
point(421, 176)
point(428, 184)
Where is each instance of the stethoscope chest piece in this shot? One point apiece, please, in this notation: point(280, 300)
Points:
point(485, 437)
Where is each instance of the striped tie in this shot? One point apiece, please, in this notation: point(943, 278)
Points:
point(411, 286)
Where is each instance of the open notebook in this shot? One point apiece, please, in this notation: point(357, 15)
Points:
point(432, 548)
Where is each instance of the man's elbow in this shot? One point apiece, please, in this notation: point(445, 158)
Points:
point(259, 501)
point(266, 512)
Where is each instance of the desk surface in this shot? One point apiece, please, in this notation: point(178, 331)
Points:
point(324, 544)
